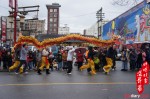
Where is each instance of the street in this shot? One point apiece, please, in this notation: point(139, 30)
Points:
point(79, 85)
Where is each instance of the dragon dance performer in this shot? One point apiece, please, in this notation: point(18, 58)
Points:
point(45, 62)
point(16, 55)
point(109, 61)
point(90, 63)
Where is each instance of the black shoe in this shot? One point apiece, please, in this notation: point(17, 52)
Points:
point(39, 72)
point(106, 73)
point(47, 71)
point(122, 69)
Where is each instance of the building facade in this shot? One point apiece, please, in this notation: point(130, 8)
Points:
point(27, 28)
point(35, 27)
point(53, 18)
point(63, 30)
point(93, 30)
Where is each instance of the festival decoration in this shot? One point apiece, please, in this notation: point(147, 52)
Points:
point(50, 42)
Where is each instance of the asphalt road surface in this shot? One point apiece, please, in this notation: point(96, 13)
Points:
point(79, 85)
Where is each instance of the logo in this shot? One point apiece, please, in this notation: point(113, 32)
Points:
point(142, 77)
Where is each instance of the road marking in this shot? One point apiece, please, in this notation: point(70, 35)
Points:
point(48, 84)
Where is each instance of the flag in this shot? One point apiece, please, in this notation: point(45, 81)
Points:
point(16, 5)
point(11, 3)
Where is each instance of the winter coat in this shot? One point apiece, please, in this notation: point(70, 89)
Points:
point(80, 57)
point(64, 56)
point(59, 57)
point(70, 55)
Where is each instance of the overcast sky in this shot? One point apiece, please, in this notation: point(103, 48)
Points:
point(77, 14)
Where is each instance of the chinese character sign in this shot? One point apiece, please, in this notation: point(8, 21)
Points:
point(145, 70)
point(142, 77)
point(139, 81)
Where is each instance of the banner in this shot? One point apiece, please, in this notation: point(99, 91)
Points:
point(11, 3)
point(16, 5)
point(3, 28)
point(133, 25)
point(142, 77)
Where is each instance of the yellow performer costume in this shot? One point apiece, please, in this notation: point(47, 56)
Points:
point(16, 63)
point(109, 61)
point(45, 62)
point(91, 65)
point(107, 67)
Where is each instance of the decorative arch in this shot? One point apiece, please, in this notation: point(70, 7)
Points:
point(50, 42)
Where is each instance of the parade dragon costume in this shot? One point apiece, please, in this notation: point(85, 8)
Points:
point(45, 62)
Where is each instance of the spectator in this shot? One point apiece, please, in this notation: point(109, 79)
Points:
point(143, 56)
point(79, 59)
point(124, 59)
point(147, 50)
point(59, 60)
point(133, 59)
point(70, 60)
point(4, 59)
point(64, 58)
point(0, 57)
point(9, 59)
point(139, 60)
point(30, 60)
point(34, 59)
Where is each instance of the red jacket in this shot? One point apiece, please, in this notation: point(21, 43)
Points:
point(80, 57)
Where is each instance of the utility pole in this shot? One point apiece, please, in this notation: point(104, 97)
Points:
point(99, 16)
point(15, 22)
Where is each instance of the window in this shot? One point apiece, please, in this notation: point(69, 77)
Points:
point(55, 15)
point(51, 10)
point(55, 25)
point(51, 25)
point(55, 10)
point(54, 30)
point(55, 19)
point(51, 15)
point(51, 30)
point(51, 19)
